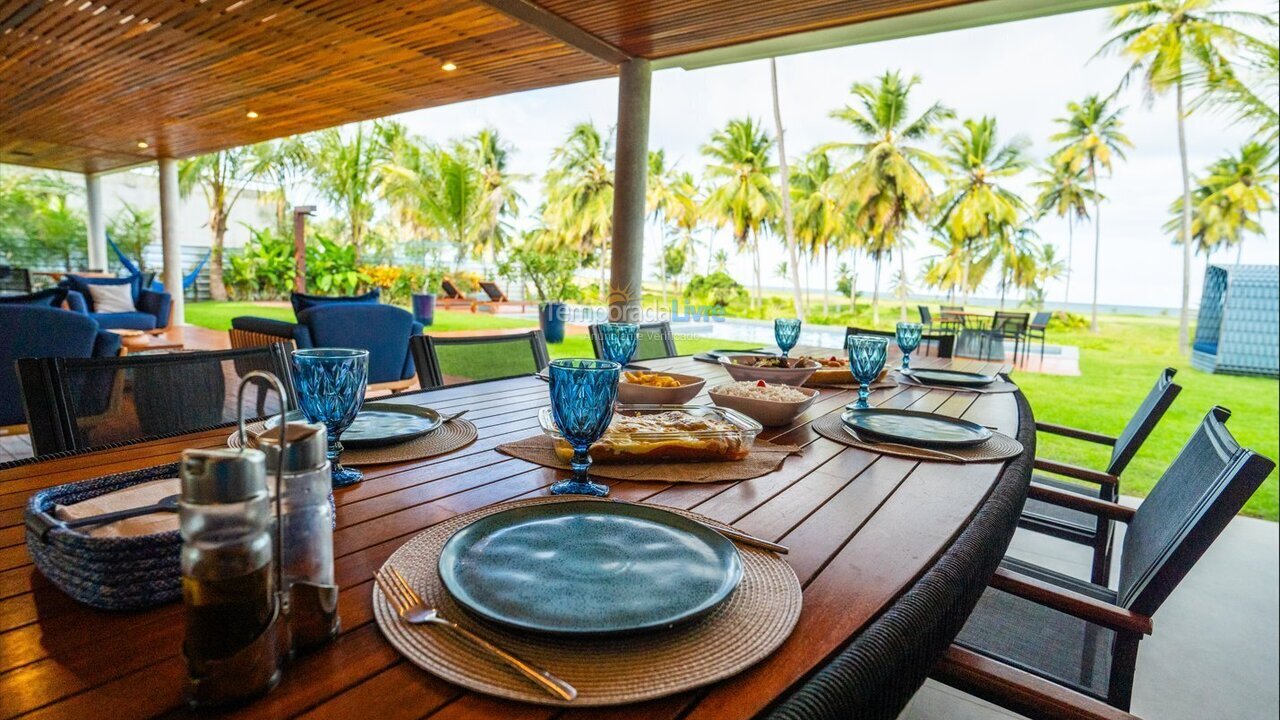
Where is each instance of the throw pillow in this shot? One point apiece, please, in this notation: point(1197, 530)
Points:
point(112, 298)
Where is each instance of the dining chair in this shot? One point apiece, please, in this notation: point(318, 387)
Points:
point(14, 280)
point(454, 360)
point(951, 317)
point(1036, 631)
point(75, 404)
point(1037, 330)
point(945, 342)
point(653, 341)
point(1072, 525)
point(1007, 326)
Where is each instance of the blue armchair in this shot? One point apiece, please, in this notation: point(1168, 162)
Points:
point(152, 307)
point(383, 330)
point(32, 331)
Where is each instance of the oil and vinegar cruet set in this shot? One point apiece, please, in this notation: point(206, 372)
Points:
point(257, 557)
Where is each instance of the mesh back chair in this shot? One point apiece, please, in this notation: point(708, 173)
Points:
point(453, 360)
point(1037, 330)
point(1085, 636)
point(653, 341)
point(1082, 527)
point(14, 281)
point(950, 318)
point(77, 404)
point(1008, 326)
point(944, 341)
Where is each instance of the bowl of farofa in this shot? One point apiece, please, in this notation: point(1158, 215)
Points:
point(657, 388)
point(769, 404)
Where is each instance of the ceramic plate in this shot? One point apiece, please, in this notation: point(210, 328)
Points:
point(589, 568)
point(381, 424)
point(950, 377)
point(915, 428)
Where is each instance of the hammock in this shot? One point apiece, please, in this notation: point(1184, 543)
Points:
point(187, 280)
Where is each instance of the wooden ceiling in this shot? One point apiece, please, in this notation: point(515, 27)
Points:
point(83, 83)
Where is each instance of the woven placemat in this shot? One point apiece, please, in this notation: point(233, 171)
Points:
point(747, 628)
point(448, 437)
point(764, 458)
point(999, 447)
point(999, 386)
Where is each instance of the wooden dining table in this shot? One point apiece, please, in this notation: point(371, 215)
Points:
point(862, 527)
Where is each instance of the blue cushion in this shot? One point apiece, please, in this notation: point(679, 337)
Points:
point(53, 297)
point(303, 301)
point(125, 320)
point(383, 330)
point(36, 332)
point(81, 285)
point(1205, 346)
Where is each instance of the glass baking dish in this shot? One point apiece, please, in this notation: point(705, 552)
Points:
point(730, 441)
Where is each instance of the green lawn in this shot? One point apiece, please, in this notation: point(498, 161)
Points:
point(1118, 367)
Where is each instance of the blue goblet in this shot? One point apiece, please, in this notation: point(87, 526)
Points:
point(908, 340)
point(866, 360)
point(618, 341)
point(786, 332)
point(582, 396)
point(331, 384)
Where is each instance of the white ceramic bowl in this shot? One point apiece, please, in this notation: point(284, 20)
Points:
point(634, 394)
point(798, 372)
point(770, 413)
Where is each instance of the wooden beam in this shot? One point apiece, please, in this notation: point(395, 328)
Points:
point(541, 19)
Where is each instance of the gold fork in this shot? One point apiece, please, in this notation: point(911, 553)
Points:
point(410, 607)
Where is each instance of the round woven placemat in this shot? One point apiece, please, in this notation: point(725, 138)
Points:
point(447, 438)
point(999, 447)
point(750, 625)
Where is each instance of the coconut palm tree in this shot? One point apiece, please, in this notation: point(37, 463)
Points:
point(1064, 192)
point(347, 169)
point(784, 182)
point(499, 197)
point(1091, 131)
point(742, 195)
point(442, 188)
point(1181, 45)
point(1229, 201)
point(662, 202)
point(887, 186)
point(223, 177)
point(977, 211)
point(579, 192)
point(817, 194)
point(283, 161)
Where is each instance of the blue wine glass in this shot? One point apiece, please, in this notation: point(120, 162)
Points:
point(786, 332)
point(331, 384)
point(618, 341)
point(866, 359)
point(908, 340)
point(582, 396)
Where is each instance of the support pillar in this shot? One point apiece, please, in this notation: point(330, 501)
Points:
point(97, 222)
point(169, 240)
point(631, 166)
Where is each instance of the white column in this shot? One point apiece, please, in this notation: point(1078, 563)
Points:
point(169, 238)
point(631, 167)
point(97, 222)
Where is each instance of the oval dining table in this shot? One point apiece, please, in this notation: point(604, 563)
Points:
point(891, 554)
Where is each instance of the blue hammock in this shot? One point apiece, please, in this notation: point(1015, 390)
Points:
point(187, 280)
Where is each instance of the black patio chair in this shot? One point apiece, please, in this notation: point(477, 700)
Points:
point(653, 341)
point(454, 360)
point(1037, 330)
point(950, 319)
point(1065, 523)
point(1007, 326)
point(14, 280)
point(944, 341)
point(1064, 633)
point(76, 404)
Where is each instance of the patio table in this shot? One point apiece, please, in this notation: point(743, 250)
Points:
point(863, 529)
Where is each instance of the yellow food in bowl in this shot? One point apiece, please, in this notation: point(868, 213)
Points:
point(650, 379)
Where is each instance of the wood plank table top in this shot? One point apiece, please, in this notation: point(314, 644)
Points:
point(862, 528)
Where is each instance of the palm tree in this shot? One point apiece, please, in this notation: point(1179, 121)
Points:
point(1174, 44)
point(817, 194)
point(1253, 98)
point(348, 168)
point(887, 186)
point(223, 176)
point(282, 162)
point(579, 192)
point(784, 182)
point(662, 201)
point(977, 212)
point(1064, 193)
point(499, 198)
point(1229, 201)
point(441, 189)
point(743, 195)
point(1091, 130)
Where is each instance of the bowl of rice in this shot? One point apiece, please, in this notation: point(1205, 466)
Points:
point(770, 404)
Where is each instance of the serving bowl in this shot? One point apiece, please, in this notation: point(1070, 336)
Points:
point(769, 413)
point(796, 372)
point(630, 393)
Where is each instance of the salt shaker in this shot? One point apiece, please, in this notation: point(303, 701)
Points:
point(231, 644)
point(306, 531)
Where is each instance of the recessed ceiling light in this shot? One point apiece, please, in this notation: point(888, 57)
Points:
point(142, 145)
point(251, 115)
point(448, 67)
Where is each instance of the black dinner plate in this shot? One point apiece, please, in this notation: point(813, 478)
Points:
point(910, 427)
point(382, 424)
point(950, 377)
point(713, 356)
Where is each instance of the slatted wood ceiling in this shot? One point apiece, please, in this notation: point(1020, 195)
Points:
point(82, 82)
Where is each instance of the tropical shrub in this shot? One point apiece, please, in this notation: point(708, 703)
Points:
point(1065, 320)
point(332, 267)
point(263, 269)
point(37, 226)
point(719, 289)
point(400, 283)
point(133, 229)
point(550, 271)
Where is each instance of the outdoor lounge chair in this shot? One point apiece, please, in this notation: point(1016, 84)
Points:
point(497, 298)
point(151, 308)
point(653, 341)
point(1038, 638)
point(454, 360)
point(452, 297)
point(80, 403)
point(1063, 522)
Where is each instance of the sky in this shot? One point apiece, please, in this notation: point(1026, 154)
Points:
point(1021, 73)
